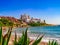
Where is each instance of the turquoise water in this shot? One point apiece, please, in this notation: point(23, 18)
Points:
point(49, 31)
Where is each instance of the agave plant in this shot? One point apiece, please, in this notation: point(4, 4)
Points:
point(4, 40)
point(37, 40)
point(24, 40)
point(53, 43)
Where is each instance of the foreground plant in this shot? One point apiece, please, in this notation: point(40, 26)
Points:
point(4, 40)
point(37, 41)
point(24, 40)
point(53, 43)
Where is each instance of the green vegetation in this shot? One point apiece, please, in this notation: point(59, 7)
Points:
point(53, 43)
point(5, 39)
point(23, 40)
point(37, 24)
point(5, 22)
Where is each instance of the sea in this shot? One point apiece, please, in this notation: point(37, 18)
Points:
point(53, 31)
point(49, 32)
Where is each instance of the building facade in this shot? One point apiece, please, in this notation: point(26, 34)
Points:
point(25, 18)
point(28, 19)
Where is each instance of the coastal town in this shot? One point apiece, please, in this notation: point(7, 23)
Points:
point(24, 21)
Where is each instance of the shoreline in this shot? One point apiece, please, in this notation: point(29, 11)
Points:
point(44, 39)
point(33, 38)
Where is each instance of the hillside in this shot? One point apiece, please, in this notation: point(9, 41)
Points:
point(6, 21)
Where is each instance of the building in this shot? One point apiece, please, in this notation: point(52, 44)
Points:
point(25, 18)
point(35, 20)
point(28, 19)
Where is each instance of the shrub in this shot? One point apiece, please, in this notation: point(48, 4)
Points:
point(53, 43)
point(24, 40)
point(4, 40)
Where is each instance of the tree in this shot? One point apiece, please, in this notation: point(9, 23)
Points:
point(44, 21)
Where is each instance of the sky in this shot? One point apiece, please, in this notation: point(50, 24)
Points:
point(48, 10)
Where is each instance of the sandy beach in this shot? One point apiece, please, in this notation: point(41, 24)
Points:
point(33, 37)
